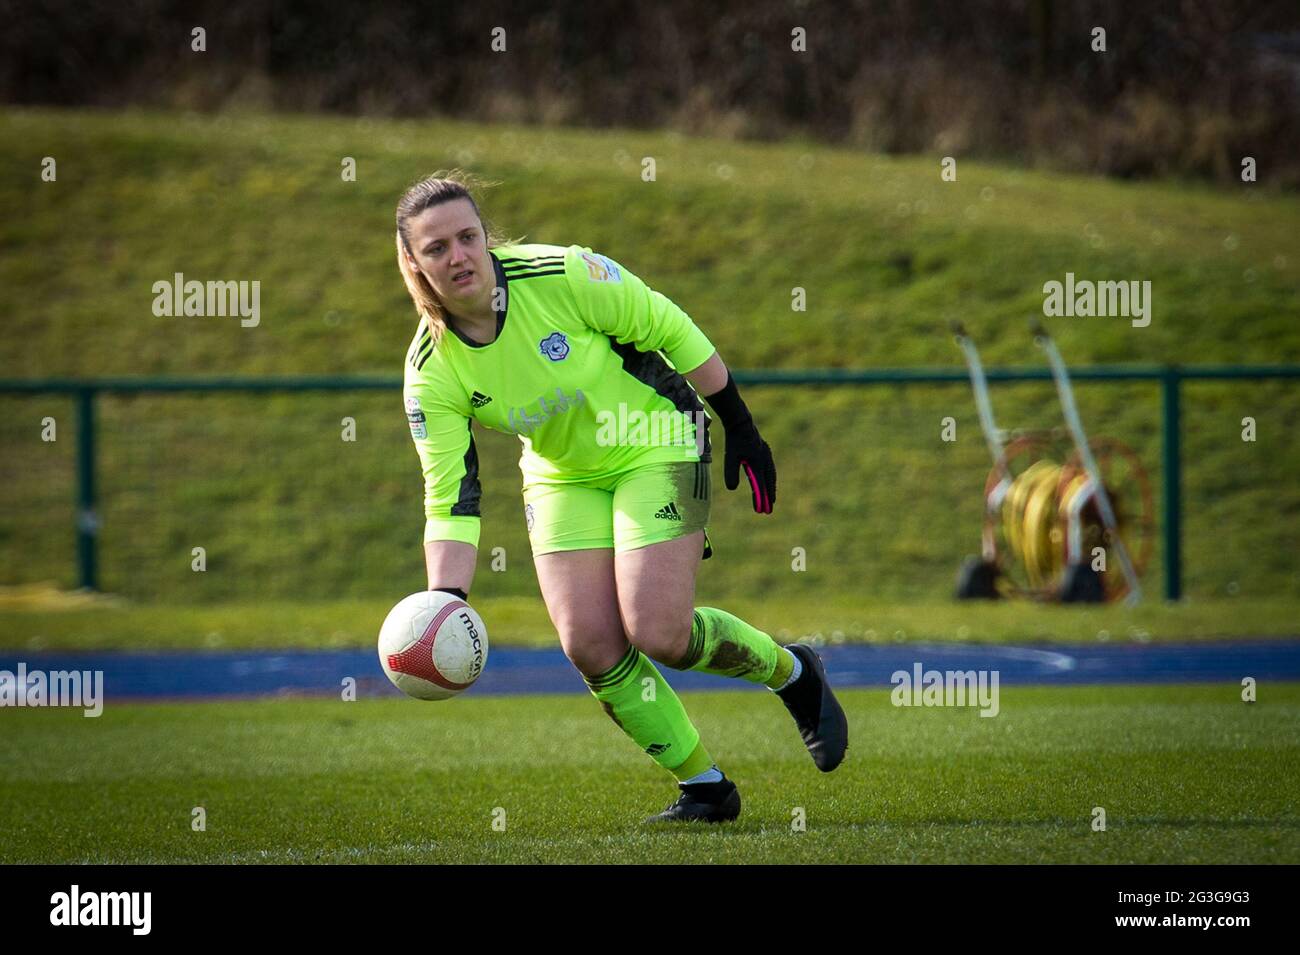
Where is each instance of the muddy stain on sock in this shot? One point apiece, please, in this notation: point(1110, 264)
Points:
point(609, 711)
point(733, 659)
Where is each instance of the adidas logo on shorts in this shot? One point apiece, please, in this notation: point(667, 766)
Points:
point(478, 399)
point(668, 513)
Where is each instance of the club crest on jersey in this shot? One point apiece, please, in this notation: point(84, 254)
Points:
point(415, 417)
point(555, 346)
point(601, 269)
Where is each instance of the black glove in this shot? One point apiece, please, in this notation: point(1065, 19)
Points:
point(745, 448)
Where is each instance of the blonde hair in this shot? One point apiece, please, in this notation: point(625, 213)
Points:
point(444, 186)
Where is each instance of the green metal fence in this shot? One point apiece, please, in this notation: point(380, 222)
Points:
point(163, 449)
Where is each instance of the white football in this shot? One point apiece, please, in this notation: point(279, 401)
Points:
point(433, 645)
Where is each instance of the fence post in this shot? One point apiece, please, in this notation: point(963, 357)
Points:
point(87, 517)
point(1171, 470)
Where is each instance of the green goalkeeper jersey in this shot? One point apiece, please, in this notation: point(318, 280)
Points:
point(584, 369)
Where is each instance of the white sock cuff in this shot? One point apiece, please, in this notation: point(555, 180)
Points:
point(710, 775)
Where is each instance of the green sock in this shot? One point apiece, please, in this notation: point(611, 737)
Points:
point(726, 645)
point(644, 706)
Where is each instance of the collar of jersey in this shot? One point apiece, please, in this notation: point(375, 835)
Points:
point(501, 318)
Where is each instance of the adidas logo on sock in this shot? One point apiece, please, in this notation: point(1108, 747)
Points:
point(669, 513)
point(654, 749)
point(478, 399)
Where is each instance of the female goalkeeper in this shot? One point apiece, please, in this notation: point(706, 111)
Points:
point(566, 348)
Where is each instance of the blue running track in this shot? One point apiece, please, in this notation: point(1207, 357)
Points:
point(512, 671)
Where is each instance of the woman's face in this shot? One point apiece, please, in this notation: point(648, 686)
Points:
point(449, 247)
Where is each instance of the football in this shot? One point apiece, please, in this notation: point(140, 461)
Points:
point(433, 645)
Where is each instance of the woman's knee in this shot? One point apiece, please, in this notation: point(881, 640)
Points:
point(663, 638)
point(593, 650)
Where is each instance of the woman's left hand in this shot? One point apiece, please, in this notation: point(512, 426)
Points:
point(746, 448)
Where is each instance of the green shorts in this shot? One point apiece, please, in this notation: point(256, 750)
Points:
point(641, 506)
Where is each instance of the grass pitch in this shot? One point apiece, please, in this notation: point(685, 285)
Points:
point(1185, 774)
